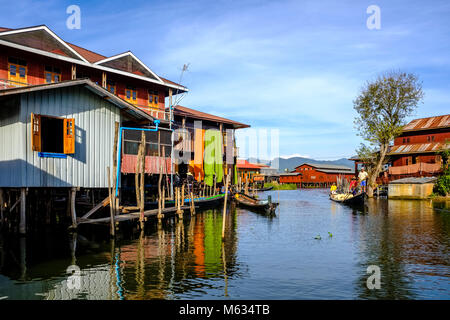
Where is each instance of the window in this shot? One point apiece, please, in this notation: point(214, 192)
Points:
point(132, 139)
point(52, 134)
point(111, 86)
point(404, 140)
point(17, 71)
point(131, 94)
point(153, 99)
point(52, 74)
point(432, 138)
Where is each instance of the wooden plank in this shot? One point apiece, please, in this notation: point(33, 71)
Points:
point(133, 215)
point(102, 204)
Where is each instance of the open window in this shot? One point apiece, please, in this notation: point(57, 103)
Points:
point(52, 135)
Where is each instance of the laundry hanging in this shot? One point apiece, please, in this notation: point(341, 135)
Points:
point(213, 158)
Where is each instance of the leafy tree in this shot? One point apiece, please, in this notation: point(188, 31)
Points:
point(383, 106)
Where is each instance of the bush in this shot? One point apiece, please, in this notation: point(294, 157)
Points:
point(286, 186)
point(442, 186)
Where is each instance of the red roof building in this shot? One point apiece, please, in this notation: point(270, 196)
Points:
point(247, 171)
point(415, 152)
point(36, 55)
point(316, 175)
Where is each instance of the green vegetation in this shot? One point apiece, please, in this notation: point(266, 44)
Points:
point(277, 186)
point(383, 106)
point(442, 186)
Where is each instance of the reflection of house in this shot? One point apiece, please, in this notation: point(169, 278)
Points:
point(415, 151)
point(316, 175)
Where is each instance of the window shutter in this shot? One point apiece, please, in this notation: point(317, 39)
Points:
point(35, 132)
point(69, 136)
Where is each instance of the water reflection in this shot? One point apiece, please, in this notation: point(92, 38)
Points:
point(406, 239)
point(261, 257)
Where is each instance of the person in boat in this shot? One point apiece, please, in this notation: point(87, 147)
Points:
point(333, 189)
point(362, 177)
point(353, 186)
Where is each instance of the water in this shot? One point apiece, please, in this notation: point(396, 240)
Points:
point(261, 257)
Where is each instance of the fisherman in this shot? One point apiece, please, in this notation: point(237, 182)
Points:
point(362, 177)
point(333, 188)
point(353, 186)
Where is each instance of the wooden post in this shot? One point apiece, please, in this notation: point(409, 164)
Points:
point(179, 212)
point(192, 204)
point(22, 223)
point(160, 204)
point(2, 206)
point(163, 201)
point(115, 187)
point(74, 71)
point(214, 191)
point(225, 207)
point(104, 80)
point(73, 213)
point(112, 230)
point(182, 195)
point(142, 191)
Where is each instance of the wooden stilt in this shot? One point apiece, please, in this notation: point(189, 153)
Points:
point(192, 204)
point(225, 207)
point(2, 207)
point(141, 186)
point(112, 230)
point(73, 213)
point(114, 173)
point(22, 223)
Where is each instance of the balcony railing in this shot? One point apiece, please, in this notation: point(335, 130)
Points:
point(6, 84)
point(417, 168)
point(154, 112)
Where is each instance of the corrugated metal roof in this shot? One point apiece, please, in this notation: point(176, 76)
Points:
point(351, 171)
point(195, 114)
point(326, 166)
point(417, 148)
point(290, 174)
point(428, 123)
point(244, 164)
point(414, 180)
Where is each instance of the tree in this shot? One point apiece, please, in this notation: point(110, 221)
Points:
point(383, 106)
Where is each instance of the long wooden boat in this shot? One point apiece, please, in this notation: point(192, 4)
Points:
point(254, 204)
point(349, 198)
point(261, 189)
point(201, 202)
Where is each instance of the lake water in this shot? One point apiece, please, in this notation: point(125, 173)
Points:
point(312, 249)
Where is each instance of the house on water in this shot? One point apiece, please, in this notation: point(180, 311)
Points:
point(59, 105)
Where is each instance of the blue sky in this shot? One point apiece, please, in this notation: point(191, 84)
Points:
point(295, 66)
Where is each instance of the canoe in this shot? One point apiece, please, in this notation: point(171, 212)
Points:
point(349, 198)
point(261, 189)
point(254, 204)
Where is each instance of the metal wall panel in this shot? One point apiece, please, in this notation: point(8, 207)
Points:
point(94, 138)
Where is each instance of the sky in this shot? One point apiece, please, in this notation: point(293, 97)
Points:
point(288, 68)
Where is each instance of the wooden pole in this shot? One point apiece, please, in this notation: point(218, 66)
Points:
point(225, 207)
point(192, 204)
point(115, 147)
point(142, 191)
point(73, 213)
point(112, 230)
point(2, 206)
point(22, 223)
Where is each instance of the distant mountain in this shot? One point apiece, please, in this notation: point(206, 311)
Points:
point(291, 163)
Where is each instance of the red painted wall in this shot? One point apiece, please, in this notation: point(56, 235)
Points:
point(422, 137)
point(36, 66)
point(311, 175)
